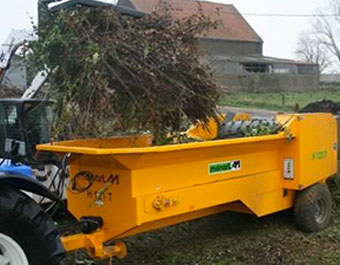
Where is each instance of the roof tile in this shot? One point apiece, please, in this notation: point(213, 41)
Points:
point(232, 25)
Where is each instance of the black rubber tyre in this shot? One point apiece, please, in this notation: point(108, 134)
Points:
point(23, 220)
point(313, 208)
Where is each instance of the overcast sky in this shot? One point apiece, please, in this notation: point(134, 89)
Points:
point(280, 34)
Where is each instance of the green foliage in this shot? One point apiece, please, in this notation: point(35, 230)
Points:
point(114, 73)
point(174, 138)
point(263, 128)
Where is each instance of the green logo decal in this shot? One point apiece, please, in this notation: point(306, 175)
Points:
point(224, 167)
point(320, 155)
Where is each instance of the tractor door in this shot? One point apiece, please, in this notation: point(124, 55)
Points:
point(37, 121)
point(11, 136)
point(23, 125)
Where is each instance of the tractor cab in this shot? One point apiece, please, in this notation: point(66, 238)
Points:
point(24, 123)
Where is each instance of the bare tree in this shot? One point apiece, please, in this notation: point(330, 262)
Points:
point(311, 50)
point(327, 29)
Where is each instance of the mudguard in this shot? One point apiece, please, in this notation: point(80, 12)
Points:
point(26, 184)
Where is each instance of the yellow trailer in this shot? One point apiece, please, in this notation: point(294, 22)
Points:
point(123, 186)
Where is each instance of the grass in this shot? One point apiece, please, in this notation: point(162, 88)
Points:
point(285, 101)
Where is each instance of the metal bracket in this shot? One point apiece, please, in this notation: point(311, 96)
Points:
point(94, 244)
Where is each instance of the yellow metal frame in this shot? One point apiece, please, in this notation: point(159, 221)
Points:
point(139, 187)
point(93, 243)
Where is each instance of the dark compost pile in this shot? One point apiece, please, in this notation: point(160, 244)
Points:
point(322, 106)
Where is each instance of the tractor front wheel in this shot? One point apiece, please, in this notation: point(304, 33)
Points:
point(313, 208)
point(27, 235)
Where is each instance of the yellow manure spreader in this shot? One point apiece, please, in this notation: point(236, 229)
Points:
point(123, 186)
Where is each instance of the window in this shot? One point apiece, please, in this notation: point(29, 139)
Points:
point(37, 123)
point(9, 128)
point(8, 114)
point(282, 71)
point(256, 67)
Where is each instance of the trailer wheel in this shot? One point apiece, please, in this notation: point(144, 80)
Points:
point(313, 208)
point(27, 235)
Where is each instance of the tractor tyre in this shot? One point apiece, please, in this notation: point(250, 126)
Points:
point(27, 235)
point(313, 208)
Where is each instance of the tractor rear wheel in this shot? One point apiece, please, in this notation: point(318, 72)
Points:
point(313, 208)
point(27, 235)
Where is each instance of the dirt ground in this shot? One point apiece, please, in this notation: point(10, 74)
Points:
point(235, 239)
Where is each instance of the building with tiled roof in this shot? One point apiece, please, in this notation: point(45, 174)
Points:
point(233, 35)
point(232, 25)
point(234, 49)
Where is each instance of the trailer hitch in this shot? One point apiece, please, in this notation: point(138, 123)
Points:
point(94, 245)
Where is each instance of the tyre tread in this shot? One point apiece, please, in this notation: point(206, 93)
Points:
point(23, 208)
point(304, 210)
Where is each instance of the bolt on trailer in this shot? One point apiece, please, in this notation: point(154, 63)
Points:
point(123, 186)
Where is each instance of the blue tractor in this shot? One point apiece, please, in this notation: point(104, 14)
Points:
point(28, 235)
point(24, 123)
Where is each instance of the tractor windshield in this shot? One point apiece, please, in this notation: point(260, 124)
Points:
point(37, 121)
point(23, 125)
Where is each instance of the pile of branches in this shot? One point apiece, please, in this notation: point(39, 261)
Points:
point(111, 72)
point(6, 92)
